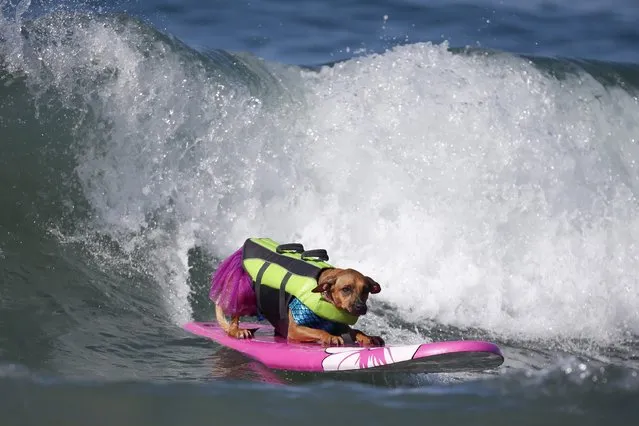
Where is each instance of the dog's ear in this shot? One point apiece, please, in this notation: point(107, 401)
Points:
point(373, 286)
point(325, 285)
point(326, 281)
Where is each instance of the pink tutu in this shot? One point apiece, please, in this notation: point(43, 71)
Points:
point(232, 287)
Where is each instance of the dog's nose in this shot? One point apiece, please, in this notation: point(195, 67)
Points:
point(359, 307)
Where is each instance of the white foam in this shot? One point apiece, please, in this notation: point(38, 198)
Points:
point(479, 191)
point(476, 190)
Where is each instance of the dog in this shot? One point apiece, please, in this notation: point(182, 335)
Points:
point(347, 289)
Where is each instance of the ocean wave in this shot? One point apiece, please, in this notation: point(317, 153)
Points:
point(482, 189)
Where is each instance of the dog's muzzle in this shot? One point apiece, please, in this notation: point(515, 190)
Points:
point(359, 308)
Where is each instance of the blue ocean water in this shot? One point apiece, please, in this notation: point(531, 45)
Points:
point(320, 32)
point(479, 159)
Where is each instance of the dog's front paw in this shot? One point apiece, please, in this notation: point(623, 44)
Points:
point(377, 341)
point(241, 333)
point(365, 340)
point(330, 340)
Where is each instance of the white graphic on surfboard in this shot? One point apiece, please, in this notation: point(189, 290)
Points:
point(341, 358)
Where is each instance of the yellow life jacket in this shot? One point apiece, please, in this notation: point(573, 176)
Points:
point(280, 271)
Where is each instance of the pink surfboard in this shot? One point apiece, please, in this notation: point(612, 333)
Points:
point(277, 353)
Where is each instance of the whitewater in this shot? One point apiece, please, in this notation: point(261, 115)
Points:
point(481, 190)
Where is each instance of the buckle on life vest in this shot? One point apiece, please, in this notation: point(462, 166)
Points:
point(294, 247)
point(315, 254)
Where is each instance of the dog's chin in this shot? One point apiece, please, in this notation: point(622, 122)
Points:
point(357, 312)
point(352, 311)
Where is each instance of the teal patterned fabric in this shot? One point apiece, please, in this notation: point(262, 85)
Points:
point(303, 316)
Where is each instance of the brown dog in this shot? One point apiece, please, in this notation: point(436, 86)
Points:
point(347, 289)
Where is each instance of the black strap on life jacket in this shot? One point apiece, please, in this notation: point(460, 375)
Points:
point(273, 306)
point(258, 284)
point(283, 296)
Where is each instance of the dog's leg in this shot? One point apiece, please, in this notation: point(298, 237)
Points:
point(233, 328)
point(236, 331)
point(221, 318)
point(299, 333)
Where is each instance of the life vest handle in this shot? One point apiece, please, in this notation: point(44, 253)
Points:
point(294, 247)
point(317, 254)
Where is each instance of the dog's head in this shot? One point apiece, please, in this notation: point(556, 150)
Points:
point(347, 289)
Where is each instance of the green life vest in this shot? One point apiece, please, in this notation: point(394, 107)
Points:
point(282, 270)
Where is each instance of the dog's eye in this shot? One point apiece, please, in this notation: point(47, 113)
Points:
point(347, 290)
